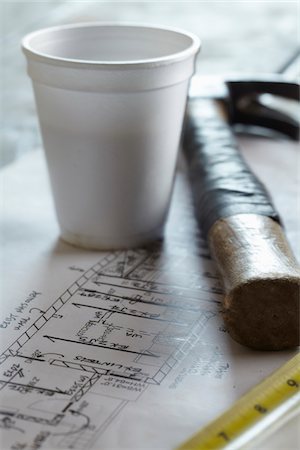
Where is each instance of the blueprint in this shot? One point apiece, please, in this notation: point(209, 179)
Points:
point(112, 350)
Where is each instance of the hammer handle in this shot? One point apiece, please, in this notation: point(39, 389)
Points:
point(260, 275)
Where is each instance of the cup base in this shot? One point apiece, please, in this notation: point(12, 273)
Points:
point(111, 243)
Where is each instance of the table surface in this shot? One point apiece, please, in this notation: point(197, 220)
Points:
point(237, 36)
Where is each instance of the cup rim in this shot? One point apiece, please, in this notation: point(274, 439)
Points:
point(134, 64)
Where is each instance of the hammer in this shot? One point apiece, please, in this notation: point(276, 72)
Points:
point(260, 274)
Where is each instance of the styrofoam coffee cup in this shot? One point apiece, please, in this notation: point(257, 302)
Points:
point(111, 100)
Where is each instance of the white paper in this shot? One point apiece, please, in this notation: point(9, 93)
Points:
point(124, 349)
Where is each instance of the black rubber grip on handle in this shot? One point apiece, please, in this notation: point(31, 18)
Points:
point(222, 183)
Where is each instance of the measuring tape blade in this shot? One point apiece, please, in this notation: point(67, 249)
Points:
point(263, 406)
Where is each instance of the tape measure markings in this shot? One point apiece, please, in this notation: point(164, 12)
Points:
point(256, 405)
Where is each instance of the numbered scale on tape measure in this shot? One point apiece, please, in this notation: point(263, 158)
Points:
point(269, 403)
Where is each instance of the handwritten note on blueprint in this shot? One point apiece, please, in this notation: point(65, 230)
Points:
point(110, 350)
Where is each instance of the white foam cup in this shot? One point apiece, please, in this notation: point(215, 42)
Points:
point(111, 100)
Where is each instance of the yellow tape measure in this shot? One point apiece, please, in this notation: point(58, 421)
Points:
point(263, 406)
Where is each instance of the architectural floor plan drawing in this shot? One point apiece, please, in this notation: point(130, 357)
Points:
point(120, 327)
point(123, 325)
point(114, 350)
